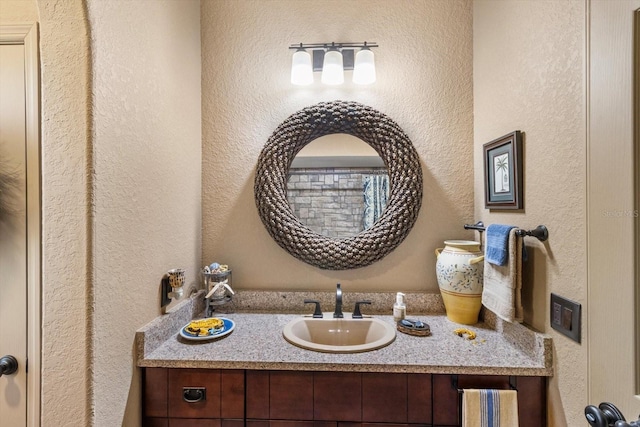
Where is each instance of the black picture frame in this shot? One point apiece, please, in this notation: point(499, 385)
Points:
point(503, 187)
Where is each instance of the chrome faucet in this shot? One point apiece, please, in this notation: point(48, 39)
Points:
point(337, 314)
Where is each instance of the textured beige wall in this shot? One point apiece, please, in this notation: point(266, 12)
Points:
point(424, 83)
point(147, 157)
point(529, 74)
point(66, 281)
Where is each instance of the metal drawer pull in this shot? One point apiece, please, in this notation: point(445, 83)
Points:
point(194, 394)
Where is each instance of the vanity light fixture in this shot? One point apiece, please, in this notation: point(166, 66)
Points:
point(332, 67)
point(332, 59)
point(301, 68)
point(364, 70)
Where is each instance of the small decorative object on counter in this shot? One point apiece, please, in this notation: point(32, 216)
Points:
point(399, 308)
point(464, 332)
point(217, 282)
point(176, 277)
point(413, 327)
point(460, 270)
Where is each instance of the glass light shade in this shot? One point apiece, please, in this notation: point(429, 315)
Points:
point(364, 69)
point(332, 71)
point(301, 69)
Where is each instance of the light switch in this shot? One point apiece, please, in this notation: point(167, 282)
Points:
point(557, 309)
point(565, 317)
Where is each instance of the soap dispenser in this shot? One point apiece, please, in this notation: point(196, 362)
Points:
point(399, 308)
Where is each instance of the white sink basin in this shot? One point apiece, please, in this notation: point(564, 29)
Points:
point(345, 335)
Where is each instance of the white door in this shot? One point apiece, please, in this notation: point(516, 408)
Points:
point(13, 233)
point(612, 215)
point(19, 226)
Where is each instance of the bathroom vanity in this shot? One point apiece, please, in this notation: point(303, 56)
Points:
point(266, 398)
point(253, 377)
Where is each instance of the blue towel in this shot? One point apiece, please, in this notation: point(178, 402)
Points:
point(497, 245)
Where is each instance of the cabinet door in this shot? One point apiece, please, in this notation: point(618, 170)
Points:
point(290, 395)
point(155, 394)
point(279, 396)
point(337, 396)
point(532, 401)
point(349, 424)
point(192, 422)
point(419, 405)
point(531, 397)
point(232, 395)
point(283, 423)
point(257, 397)
point(384, 397)
point(302, 424)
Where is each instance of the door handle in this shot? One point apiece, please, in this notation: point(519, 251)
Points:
point(8, 365)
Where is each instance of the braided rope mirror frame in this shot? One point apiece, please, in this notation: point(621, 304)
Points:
point(405, 181)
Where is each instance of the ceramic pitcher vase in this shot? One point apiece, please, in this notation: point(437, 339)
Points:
point(460, 269)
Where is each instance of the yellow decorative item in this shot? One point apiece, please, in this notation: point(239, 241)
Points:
point(460, 269)
point(461, 332)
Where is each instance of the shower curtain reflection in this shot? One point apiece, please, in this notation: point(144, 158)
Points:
point(376, 193)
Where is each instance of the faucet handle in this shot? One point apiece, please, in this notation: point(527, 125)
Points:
point(317, 313)
point(356, 311)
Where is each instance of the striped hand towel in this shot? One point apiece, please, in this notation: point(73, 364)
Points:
point(489, 408)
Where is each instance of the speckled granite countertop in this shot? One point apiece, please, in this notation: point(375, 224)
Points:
point(500, 348)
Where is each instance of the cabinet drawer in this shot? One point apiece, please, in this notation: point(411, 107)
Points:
point(164, 395)
point(202, 380)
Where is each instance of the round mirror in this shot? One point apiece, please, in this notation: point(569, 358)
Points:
point(391, 144)
point(338, 186)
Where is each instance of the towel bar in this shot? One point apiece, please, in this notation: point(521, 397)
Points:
point(540, 232)
point(479, 226)
point(513, 383)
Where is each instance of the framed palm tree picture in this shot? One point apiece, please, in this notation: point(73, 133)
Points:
point(503, 172)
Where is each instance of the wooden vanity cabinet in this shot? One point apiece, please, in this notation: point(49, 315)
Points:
point(337, 399)
point(250, 398)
